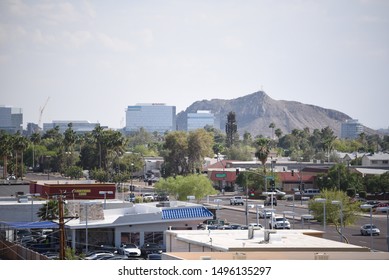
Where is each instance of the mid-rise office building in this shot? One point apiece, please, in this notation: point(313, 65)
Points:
point(200, 119)
point(351, 129)
point(154, 117)
point(11, 119)
point(79, 127)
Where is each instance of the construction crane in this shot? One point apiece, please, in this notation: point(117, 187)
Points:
point(41, 109)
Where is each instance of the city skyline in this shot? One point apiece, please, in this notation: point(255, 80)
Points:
point(89, 60)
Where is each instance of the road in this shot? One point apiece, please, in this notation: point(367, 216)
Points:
point(237, 215)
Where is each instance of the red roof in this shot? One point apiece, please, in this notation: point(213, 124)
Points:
point(287, 176)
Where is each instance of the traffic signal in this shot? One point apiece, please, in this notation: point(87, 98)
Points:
point(292, 172)
point(272, 183)
point(237, 171)
point(251, 193)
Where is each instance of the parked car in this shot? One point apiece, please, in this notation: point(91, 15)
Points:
point(369, 229)
point(279, 223)
point(93, 255)
point(151, 248)
point(130, 249)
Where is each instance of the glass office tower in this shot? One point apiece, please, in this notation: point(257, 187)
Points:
point(154, 117)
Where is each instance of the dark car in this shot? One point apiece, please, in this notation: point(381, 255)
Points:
point(151, 248)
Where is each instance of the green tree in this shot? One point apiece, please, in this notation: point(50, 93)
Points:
point(20, 144)
point(181, 187)
point(263, 151)
point(175, 153)
point(333, 211)
point(74, 172)
point(231, 130)
point(272, 126)
point(5, 150)
point(49, 210)
point(200, 145)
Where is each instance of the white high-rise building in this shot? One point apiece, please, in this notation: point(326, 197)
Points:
point(351, 129)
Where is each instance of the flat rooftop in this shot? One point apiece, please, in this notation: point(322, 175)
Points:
point(238, 241)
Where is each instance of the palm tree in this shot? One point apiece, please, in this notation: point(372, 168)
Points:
point(49, 211)
point(20, 144)
point(35, 139)
point(272, 126)
point(97, 135)
point(263, 151)
point(5, 151)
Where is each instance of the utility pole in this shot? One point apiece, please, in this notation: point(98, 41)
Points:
point(61, 229)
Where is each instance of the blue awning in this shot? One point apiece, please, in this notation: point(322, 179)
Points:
point(186, 213)
point(25, 225)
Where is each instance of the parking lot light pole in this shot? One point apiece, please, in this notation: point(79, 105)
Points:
point(285, 213)
point(338, 202)
point(32, 195)
point(368, 206)
point(306, 217)
point(105, 196)
point(324, 201)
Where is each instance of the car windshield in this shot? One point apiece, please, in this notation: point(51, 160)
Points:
point(129, 246)
point(279, 219)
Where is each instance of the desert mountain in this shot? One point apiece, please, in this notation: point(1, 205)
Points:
point(256, 111)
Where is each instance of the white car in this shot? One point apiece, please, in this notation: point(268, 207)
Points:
point(279, 223)
point(148, 197)
point(369, 229)
point(130, 250)
point(256, 226)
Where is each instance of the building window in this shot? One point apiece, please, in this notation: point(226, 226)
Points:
point(130, 237)
point(154, 237)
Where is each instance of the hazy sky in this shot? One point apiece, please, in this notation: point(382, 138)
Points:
point(94, 58)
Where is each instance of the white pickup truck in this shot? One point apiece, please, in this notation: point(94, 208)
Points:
point(236, 200)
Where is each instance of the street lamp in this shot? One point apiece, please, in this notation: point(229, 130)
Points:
point(86, 205)
point(105, 196)
point(285, 213)
point(257, 206)
point(308, 217)
point(32, 195)
point(323, 200)
point(338, 202)
point(368, 206)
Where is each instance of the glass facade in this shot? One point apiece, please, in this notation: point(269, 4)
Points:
point(155, 117)
point(200, 120)
point(11, 119)
point(351, 129)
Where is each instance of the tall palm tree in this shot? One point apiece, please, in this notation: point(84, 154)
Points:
point(97, 135)
point(35, 139)
point(272, 126)
point(20, 144)
point(5, 151)
point(263, 151)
